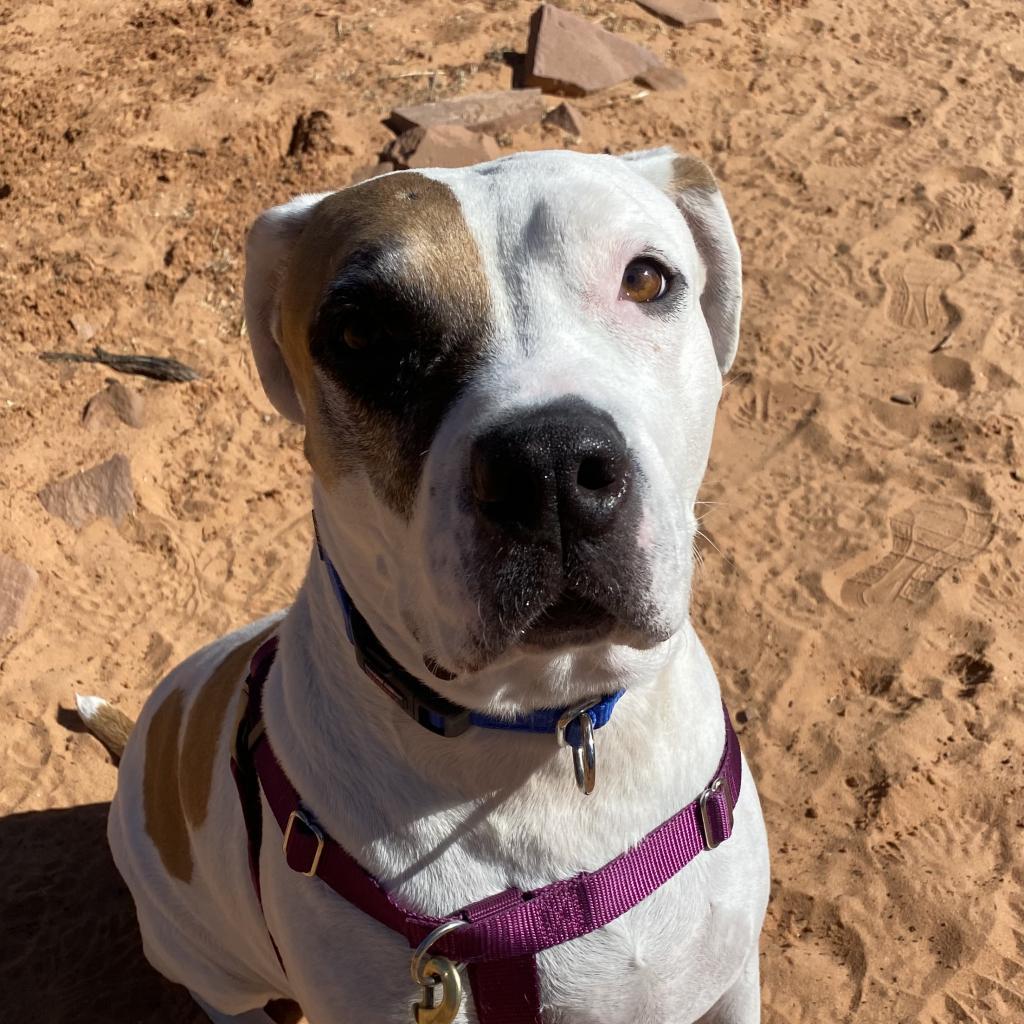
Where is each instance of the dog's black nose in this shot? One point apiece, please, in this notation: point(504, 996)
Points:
point(554, 474)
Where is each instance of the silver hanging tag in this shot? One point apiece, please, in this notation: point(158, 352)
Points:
point(584, 754)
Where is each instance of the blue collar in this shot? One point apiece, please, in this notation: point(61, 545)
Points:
point(439, 715)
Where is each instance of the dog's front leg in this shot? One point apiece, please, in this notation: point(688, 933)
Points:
point(741, 1004)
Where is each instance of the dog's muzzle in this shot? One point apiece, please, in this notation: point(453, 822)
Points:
point(554, 476)
point(555, 497)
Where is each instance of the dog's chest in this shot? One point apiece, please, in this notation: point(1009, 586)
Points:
point(666, 961)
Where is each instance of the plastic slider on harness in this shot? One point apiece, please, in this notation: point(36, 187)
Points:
point(717, 827)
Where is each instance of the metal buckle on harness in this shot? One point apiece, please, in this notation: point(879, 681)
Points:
point(584, 754)
point(430, 971)
point(313, 830)
point(719, 786)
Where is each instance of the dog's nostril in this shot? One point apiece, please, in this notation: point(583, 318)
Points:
point(596, 473)
point(491, 480)
point(503, 489)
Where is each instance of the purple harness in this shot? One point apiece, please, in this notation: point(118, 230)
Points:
point(499, 937)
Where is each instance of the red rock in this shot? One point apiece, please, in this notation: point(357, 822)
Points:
point(104, 490)
point(446, 145)
point(570, 55)
point(566, 117)
point(371, 171)
point(17, 581)
point(685, 12)
point(311, 133)
point(662, 79)
point(117, 400)
point(490, 112)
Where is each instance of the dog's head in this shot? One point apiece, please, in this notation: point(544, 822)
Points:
point(508, 376)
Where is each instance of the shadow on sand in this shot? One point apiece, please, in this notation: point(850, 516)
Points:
point(70, 951)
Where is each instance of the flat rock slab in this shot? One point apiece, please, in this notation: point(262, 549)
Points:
point(685, 12)
point(662, 79)
point(17, 581)
point(490, 112)
point(115, 400)
point(570, 55)
point(446, 145)
point(566, 117)
point(104, 490)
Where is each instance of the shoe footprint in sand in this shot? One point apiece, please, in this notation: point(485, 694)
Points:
point(927, 539)
point(916, 295)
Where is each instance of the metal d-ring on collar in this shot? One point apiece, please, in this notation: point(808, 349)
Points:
point(584, 753)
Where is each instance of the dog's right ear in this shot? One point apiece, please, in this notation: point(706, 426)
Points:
point(692, 187)
point(267, 251)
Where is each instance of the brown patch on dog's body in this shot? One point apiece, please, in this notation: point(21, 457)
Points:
point(165, 817)
point(178, 777)
point(205, 725)
point(405, 238)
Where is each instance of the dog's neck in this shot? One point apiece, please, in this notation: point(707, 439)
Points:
point(368, 771)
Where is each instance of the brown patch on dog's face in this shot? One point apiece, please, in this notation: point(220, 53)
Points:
point(689, 172)
point(205, 724)
point(165, 817)
point(385, 313)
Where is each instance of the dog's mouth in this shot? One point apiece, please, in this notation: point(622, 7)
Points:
point(571, 619)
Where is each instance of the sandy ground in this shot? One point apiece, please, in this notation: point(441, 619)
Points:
point(862, 594)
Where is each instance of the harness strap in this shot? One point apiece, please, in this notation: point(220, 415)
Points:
point(506, 991)
point(502, 933)
point(243, 770)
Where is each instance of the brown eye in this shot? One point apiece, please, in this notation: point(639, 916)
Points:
point(643, 281)
point(355, 336)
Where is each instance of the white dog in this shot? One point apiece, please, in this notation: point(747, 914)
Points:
point(508, 377)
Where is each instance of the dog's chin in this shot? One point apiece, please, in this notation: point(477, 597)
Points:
point(571, 620)
point(571, 623)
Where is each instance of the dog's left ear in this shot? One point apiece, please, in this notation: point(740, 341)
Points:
point(692, 187)
point(268, 248)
